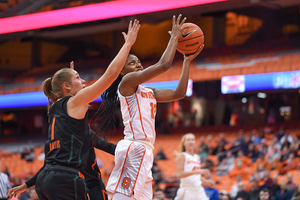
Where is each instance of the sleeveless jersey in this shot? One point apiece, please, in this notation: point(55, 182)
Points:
point(138, 113)
point(191, 163)
point(69, 137)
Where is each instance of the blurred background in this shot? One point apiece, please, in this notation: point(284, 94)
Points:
point(243, 103)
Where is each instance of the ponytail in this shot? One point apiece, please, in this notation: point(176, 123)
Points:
point(47, 88)
point(107, 110)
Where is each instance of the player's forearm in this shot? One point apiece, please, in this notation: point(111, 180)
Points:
point(169, 53)
point(181, 88)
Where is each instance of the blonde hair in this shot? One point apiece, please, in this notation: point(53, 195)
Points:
point(52, 87)
point(181, 146)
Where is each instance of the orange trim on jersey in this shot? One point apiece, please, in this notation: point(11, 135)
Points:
point(52, 129)
point(93, 165)
point(104, 192)
point(130, 117)
point(138, 172)
point(81, 175)
point(123, 166)
point(140, 115)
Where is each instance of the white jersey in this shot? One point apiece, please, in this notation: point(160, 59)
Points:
point(138, 113)
point(191, 163)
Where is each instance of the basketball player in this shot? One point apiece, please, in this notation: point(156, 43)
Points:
point(131, 177)
point(91, 173)
point(188, 170)
point(69, 129)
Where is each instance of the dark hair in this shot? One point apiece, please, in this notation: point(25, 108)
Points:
point(107, 109)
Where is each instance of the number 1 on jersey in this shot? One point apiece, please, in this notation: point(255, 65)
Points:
point(153, 109)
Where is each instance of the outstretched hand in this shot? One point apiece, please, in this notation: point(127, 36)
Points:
point(16, 190)
point(133, 30)
point(177, 26)
point(190, 57)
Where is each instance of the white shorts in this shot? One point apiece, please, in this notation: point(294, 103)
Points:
point(186, 194)
point(132, 172)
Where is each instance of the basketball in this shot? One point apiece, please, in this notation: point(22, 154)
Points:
point(190, 39)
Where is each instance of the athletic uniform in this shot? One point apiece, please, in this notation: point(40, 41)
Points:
point(191, 186)
point(91, 173)
point(69, 149)
point(134, 154)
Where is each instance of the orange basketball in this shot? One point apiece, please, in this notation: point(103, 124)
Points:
point(190, 39)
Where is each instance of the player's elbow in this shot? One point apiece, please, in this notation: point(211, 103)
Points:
point(180, 95)
point(164, 66)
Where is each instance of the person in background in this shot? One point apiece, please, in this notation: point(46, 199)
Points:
point(264, 194)
point(188, 170)
point(4, 185)
point(283, 193)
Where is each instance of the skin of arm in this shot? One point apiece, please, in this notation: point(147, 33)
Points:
point(167, 95)
point(180, 173)
point(77, 105)
point(131, 80)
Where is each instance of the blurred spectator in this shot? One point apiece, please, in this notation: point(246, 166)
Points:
point(160, 155)
point(254, 193)
point(203, 149)
point(297, 193)
point(224, 195)
point(30, 156)
point(239, 169)
point(246, 160)
point(242, 193)
point(25, 195)
point(286, 139)
point(264, 194)
point(274, 187)
point(284, 154)
point(290, 185)
point(234, 188)
point(159, 195)
point(32, 194)
point(222, 168)
point(4, 185)
point(254, 138)
point(275, 164)
point(212, 193)
point(230, 160)
point(283, 193)
point(263, 148)
point(222, 138)
point(157, 174)
point(267, 180)
point(289, 164)
point(251, 152)
point(24, 153)
point(207, 164)
point(272, 153)
point(261, 159)
point(209, 187)
point(172, 185)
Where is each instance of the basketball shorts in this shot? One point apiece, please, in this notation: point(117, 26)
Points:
point(132, 172)
point(60, 185)
point(98, 192)
point(187, 194)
